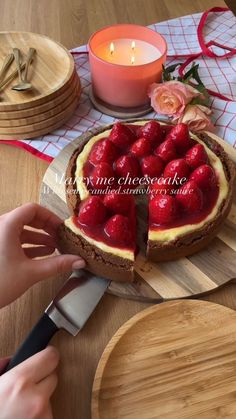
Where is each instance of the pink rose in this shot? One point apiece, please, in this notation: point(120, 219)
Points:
point(171, 97)
point(197, 118)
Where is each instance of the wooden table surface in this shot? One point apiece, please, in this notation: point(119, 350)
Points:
point(72, 22)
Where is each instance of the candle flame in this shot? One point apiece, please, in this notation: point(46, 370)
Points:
point(112, 48)
point(132, 59)
point(133, 45)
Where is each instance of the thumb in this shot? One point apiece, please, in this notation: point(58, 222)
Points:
point(52, 266)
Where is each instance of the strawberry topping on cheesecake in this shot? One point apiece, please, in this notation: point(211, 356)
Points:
point(188, 181)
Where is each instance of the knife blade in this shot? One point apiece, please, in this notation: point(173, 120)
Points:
point(69, 310)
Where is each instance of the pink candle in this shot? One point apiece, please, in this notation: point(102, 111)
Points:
point(125, 60)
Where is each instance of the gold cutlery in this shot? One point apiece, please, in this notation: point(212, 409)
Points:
point(23, 83)
point(5, 65)
point(10, 77)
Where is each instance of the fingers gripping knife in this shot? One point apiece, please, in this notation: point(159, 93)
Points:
point(69, 310)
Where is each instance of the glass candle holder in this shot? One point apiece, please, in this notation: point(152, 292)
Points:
point(124, 60)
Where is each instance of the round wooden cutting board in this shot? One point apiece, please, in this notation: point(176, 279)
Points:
point(198, 274)
point(176, 360)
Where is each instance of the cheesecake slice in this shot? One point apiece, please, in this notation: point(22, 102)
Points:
point(200, 211)
point(103, 235)
point(188, 181)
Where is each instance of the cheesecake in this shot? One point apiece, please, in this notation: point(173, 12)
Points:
point(186, 178)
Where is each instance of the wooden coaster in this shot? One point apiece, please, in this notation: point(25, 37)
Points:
point(118, 112)
point(172, 361)
point(198, 274)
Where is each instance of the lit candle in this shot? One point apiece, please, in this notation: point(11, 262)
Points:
point(124, 61)
point(119, 52)
point(112, 48)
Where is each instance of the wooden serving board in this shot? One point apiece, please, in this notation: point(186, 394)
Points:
point(176, 360)
point(198, 274)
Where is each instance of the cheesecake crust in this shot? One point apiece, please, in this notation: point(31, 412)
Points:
point(98, 262)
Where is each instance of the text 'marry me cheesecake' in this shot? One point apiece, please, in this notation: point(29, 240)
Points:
point(187, 178)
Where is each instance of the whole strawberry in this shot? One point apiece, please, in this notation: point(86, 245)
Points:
point(177, 169)
point(119, 203)
point(117, 229)
point(190, 197)
point(160, 187)
point(152, 166)
point(180, 135)
point(92, 211)
point(166, 151)
point(204, 176)
point(141, 147)
point(152, 131)
point(103, 151)
point(121, 135)
point(196, 156)
point(102, 176)
point(127, 166)
point(162, 209)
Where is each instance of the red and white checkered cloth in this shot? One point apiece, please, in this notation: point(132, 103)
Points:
point(218, 75)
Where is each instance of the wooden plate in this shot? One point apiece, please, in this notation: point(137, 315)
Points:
point(45, 107)
point(198, 274)
point(38, 125)
point(42, 128)
point(51, 70)
point(176, 360)
point(33, 121)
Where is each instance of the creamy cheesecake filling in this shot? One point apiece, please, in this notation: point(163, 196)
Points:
point(123, 253)
point(80, 162)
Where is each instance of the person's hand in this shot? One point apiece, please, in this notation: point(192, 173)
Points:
point(18, 268)
point(25, 390)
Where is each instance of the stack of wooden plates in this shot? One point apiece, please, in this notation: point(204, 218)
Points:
point(55, 88)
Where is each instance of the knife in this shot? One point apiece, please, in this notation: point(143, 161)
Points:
point(69, 310)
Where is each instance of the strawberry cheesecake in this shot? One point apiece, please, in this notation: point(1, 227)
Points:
point(187, 178)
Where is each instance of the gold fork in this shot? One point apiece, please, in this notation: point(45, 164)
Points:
point(23, 83)
point(5, 65)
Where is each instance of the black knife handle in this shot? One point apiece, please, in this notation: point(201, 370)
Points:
point(36, 341)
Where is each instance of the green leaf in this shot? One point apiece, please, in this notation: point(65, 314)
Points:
point(205, 100)
point(189, 73)
point(195, 74)
point(192, 73)
point(166, 74)
point(172, 67)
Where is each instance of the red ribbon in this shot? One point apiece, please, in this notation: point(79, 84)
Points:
point(206, 51)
